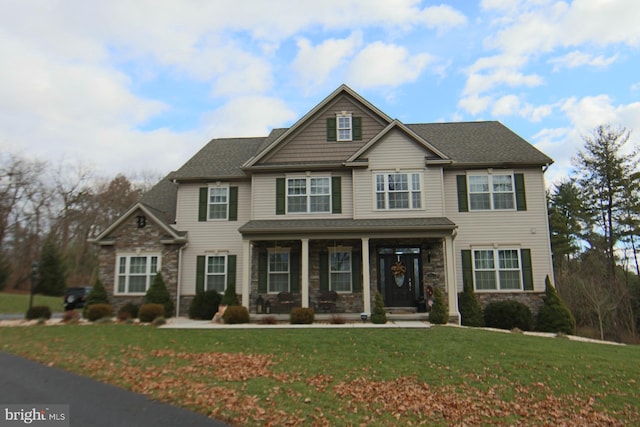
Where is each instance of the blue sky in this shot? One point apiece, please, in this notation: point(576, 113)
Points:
point(122, 86)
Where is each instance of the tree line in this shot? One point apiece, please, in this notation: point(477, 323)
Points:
point(594, 219)
point(47, 214)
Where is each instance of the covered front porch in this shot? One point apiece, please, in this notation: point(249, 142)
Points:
point(306, 260)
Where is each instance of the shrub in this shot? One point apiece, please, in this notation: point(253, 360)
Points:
point(554, 315)
point(99, 311)
point(337, 320)
point(470, 310)
point(268, 320)
point(301, 316)
point(159, 321)
point(379, 316)
point(39, 312)
point(148, 312)
point(439, 314)
point(204, 305)
point(97, 295)
point(508, 315)
point(158, 294)
point(128, 311)
point(236, 314)
point(230, 297)
point(70, 316)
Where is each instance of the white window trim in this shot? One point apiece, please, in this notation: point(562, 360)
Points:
point(207, 274)
point(278, 250)
point(148, 274)
point(410, 174)
point(308, 194)
point(226, 216)
point(338, 128)
point(491, 192)
point(341, 249)
point(497, 269)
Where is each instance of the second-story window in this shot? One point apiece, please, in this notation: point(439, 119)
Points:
point(398, 191)
point(488, 192)
point(344, 127)
point(309, 195)
point(218, 202)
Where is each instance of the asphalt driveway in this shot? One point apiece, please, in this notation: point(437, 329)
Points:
point(91, 403)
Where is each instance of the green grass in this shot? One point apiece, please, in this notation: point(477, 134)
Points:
point(19, 303)
point(438, 376)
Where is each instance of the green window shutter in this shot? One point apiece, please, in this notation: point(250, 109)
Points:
point(200, 264)
point(332, 133)
point(263, 272)
point(463, 203)
point(294, 272)
point(324, 271)
point(527, 270)
point(231, 270)
point(233, 203)
point(521, 197)
point(356, 122)
point(203, 203)
point(356, 271)
point(280, 196)
point(467, 270)
point(336, 195)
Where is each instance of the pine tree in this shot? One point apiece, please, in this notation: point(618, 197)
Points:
point(97, 295)
point(554, 315)
point(51, 277)
point(158, 294)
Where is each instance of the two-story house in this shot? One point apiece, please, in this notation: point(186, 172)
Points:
point(347, 200)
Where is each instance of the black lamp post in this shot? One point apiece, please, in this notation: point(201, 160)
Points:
point(34, 275)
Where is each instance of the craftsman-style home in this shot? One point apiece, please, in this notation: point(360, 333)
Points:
point(345, 202)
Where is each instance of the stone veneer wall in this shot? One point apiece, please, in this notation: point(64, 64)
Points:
point(129, 238)
point(533, 300)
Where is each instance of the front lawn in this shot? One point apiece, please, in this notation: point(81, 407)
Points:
point(439, 376)
point(19, 303)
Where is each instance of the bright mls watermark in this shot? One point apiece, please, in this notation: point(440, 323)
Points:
point(40, 414)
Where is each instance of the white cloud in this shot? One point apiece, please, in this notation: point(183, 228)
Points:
point(474, 104)
point(313, 64)
point(381, 64)
point(442, 17)
point(577, 59)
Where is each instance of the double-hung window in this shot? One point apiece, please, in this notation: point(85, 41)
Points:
point(136, 273)
point(278, 270)
point(487, 192)
point(216, 273)
point(497, 269)
point(345, 128)
point(309, 195)
point(398, 191)
point(218, 202)
point(340, 270)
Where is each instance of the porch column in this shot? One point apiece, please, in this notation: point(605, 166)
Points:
point(450, 277)
point(366, 280)
point(246, 273)
point(305, 272)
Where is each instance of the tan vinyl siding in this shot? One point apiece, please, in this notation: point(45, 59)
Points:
point(397, 151)
point(310, 143)
point(207, 237)
point(264, 196)
point(519, 229)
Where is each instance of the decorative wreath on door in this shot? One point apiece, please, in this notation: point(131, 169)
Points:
point(398, 269)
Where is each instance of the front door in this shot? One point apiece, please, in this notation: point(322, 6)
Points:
point(399, 276)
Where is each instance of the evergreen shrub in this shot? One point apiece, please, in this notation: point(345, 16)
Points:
point(39, 312)
point(379, 316)
point(301, 316)
point(508, 315)
point(205, 305)
point(128, 311)
point(97, 295)
point(470, 310)
point(554, 315)
point(148, 312)
point(158, 294)
point(99, 311)
point(236, 314)
point(439, 314)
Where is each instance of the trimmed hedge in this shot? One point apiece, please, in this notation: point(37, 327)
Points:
point(205, 305)
point(38, 312)
point(99, 311)
point(235, 314)
point(301, 316)
point(554, 315)
point(470, 310)
point(149, 312)
point(379, 316)
point(439, 314)
point(508, 315)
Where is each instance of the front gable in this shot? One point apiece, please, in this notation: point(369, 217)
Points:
point(314, 140)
